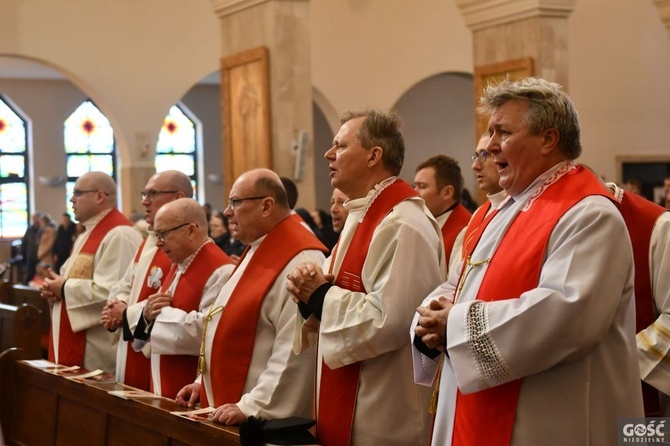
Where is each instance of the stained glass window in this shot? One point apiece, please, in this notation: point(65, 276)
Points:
point(89, 145)
point(13, 181)
point(176, 148)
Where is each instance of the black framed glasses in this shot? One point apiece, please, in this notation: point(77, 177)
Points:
point(160, 235)
point(79, 192)
point(480, 156)
point(233, 203)
point(152, 194)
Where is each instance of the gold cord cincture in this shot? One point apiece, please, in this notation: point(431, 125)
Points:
point(213, 311)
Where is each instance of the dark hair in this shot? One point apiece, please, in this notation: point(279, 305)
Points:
point(291, 191)
point(220, 216)
point(447, 173)
point(380, 129)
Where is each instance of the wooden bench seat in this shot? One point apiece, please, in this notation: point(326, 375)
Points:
point(20, 327)
point(18, 295)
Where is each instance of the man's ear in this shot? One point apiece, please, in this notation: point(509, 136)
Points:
point(375, 156)
point(100, 196)
point(268, 204)
point(448, 191)
point(551, 137)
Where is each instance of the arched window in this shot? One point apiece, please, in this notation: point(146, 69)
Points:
point(13, 180)
point(177, 142)
point(89, 145)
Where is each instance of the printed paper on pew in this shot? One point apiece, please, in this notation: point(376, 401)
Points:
point(129, 394)
point(196, 415)
point(44, 364)
point(80, 376)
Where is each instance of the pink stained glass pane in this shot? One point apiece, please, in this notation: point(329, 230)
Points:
point(177, 134)
point(88, 131)
point(12, 130)
point(13, 209)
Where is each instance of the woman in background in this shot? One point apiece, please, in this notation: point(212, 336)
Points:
point(218, 230)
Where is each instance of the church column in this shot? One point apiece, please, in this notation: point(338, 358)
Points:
point(283, 27)
point(505, 30)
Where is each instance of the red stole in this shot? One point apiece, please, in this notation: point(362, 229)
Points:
point(339, 387)
point(640, 216)
point(71, 345)
point(176, 371)
point(487, 416)
point(235, 335)
point(138, 367)
point(474, 224)
point(457, 220)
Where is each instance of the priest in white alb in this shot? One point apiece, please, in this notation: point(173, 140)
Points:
point(538, 330)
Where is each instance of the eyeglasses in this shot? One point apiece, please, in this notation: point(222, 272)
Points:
point(233, 203)
point(152, 194)
point(480, 156)
point(79, 192)
point(160, 235)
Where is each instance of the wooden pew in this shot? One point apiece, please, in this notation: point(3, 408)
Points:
point(18, 295)
point(46, 409)
point(20, 327)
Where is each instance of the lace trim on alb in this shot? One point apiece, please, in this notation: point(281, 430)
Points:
point(557, 175)
point(378, 190)
point(490, 364)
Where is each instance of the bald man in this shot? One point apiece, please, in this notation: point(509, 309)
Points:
point(99, 259)
point(198, 267)
point(248, 366)
point(143, 277)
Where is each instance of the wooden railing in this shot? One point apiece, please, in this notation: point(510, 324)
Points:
point(40, 408)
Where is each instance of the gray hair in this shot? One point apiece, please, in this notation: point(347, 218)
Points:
point(380, 129)
point(548, 107)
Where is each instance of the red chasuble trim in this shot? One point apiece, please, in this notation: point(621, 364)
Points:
point(235, 335)
point(458, 219)
point(138, 367)
point(487, 417)
point(71, 345)
point(640, 216)
point(339, 387)
point(176, 371)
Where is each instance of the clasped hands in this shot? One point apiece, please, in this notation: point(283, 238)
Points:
point(52, 286)
point(432, 328)
point(155, 303)
point(112, 315)
point(304, 279)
